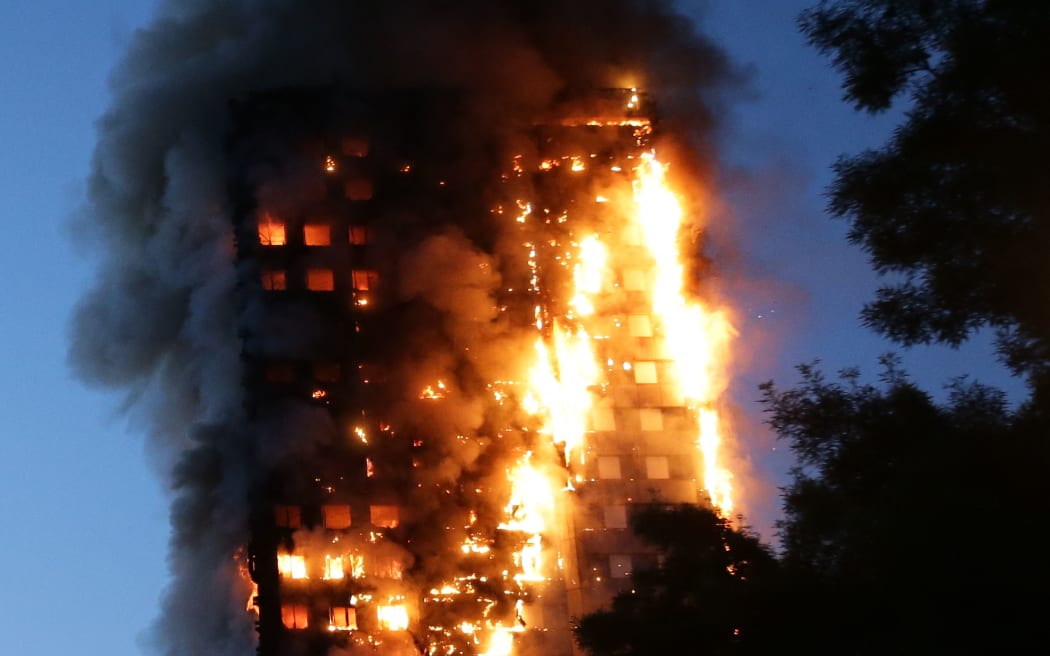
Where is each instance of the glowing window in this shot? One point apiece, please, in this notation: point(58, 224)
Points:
point(638, 325)
point(359, 189)
point(287, 516)
point(295, 616)
point(634, 280)
point(615, 516)
point(355, 146)
point(385, 516)
point(619, 566)
point(274, 281)
point(392, 618)
point(328, 372)
point(358, 235)
point(645, 372)
point(609, 467)
point(363, 280)
point(292, 566)
point(604, 419)
point(657, 467)
point(333, 568)
point(342, 618)
point(652, 419)
point(336, 516)
point(320, 280)
point(317, 234)
point(271, 233)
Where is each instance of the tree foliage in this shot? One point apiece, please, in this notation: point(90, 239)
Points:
point(710, 594)
point(956, 205)
point(910, 525)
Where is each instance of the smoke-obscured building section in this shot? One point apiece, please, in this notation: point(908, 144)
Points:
point(449, 323)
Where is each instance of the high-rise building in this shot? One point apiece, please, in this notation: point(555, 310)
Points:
point(467, 331)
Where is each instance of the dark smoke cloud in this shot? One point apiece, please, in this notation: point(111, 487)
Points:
point(162, 322)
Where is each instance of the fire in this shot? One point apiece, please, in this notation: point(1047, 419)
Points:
point(291, 566)
point(695, 337)
point(333, 568)
point(392, 617)
point(435, 391)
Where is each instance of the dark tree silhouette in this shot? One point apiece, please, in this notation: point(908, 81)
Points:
point(956, 206)
point(910, 527)
point(712, 592)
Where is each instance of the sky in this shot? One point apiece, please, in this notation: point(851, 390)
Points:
point(86, 519)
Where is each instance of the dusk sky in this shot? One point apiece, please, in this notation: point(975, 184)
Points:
point(85, 513)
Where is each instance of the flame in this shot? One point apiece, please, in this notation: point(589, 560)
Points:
point(333, 568)
point(695, 336)
point(392, 617)
point(435, 391)
point(291, 566)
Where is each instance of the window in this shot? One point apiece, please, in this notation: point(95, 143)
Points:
point(358, 235)
point(645, 373)
point(634, 280)
point(320, 280)
point(615, 516)
point(657, 467)
point(359, 189)
point(274, 281)
point(619, 566)
point(363, 280)
point(295, 616)
point(292, 566)
point(652, 419)
point(287, 516)
point(385, 516)
point(608, 467)
point(638, 325)
point(271, 233)
point(604, 419)
point(333, 568)
point(342, 618)
point(317, 234)
point(336, 516)
point(355, 146)
point(392, 618)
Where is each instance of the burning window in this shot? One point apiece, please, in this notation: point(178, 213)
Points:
point(392, 618)
point(657, 467)
point(317, 234)
point(652, 419)
point(271, 233)
point(355, 146)
point(364, 280)
point(358, 235)
point(615, 516)
point(342, 618)
point(385, 516)
point(295, 616)
point(359, 189)
point(274, 281)
point(604, 419)
point(336, 516)
point(645, 373)
point(634, 280)
point(292, 566)
point(328, 372)
point(609, 467)
point(638, 325)
point(287, 516)
point(333, 568)
point(619, 566)
point(320, 280)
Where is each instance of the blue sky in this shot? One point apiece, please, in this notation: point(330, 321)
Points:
point(85, 516)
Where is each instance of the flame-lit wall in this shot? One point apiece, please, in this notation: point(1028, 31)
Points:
point(449, 323)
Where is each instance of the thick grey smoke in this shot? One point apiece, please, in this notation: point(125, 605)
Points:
point(162, 322)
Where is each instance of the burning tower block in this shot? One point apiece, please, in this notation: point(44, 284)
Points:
point(468, 341)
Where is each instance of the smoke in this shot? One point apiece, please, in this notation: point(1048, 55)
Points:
point(165, 321)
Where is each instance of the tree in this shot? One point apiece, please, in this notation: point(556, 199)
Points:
point(956, 205)
point(910, 526)
point(711, 592)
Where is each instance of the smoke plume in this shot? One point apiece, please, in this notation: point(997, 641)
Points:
point(165, 321)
